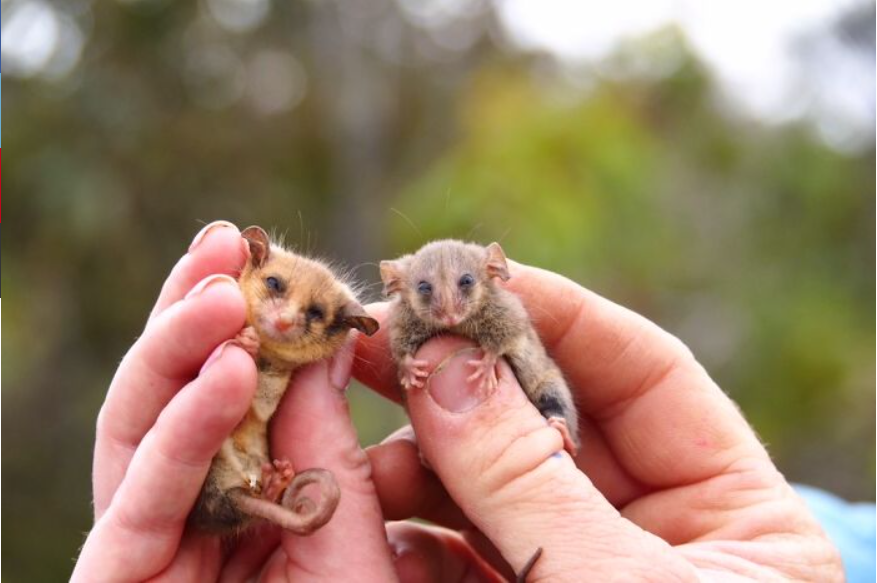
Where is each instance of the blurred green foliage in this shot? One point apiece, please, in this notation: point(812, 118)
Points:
point(753, 243)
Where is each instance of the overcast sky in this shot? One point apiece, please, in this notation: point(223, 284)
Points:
point(749, 44)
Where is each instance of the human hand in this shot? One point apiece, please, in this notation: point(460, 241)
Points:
point(180, 390)
point(671, 483)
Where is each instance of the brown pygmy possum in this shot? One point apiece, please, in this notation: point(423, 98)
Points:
point(298, 312)
point(449, 287)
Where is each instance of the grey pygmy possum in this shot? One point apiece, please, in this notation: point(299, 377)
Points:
point(449, 286)
point(298, 311)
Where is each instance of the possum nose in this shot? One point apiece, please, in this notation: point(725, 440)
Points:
point(284, 323)
point(448, 316)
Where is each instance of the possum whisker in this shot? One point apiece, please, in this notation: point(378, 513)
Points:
point(408, 220)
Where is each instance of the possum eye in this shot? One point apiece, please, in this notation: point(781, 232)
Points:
point(466, 281)
point(274, 284)
point(314, 313)
point(424, 288)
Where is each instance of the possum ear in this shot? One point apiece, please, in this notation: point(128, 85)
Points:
point(391, 275)
point(353, 315)
point(260, 246)
point(496, 263)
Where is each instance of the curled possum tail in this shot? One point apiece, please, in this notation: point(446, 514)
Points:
point(296, 512)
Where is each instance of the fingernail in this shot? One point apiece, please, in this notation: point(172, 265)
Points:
point(448, 385)
point(405, 433)
point(216, 355)
point(208, 281)
point(396, 549)
point(203, 232)
point(339, 368)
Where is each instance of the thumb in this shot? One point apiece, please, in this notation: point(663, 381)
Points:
point(507, 470)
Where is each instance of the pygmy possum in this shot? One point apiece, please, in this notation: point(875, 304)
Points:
point(298, 312)
point(450, 287)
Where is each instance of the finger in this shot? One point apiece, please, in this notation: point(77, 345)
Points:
point(403, 499)
point(408, 490)
point(139, 533)
point(276, 568)
point(488, 551)
point(405, 488)
point(505, 467)
point(217, 248)
point(424, 554)
point(312, 428)
point(374, 366)
point(165, 358)
point(606, 351)
point(198, 558)
point(250, 555)
point(662, 416)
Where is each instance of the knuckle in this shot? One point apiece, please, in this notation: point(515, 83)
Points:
point(131, 519)
point(107, 430)
point(357, 463)
point(356, 472)
point(517, 461)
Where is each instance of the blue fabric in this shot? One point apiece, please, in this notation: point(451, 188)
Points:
point(851, 526)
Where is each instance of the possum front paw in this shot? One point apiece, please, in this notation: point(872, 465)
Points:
point(412, 372)
point(485, 370)
point(248, 339)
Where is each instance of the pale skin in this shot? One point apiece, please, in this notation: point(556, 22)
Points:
point(670, 484)
point(163, 421)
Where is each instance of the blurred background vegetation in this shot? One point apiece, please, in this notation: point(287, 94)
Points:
point(363, 129)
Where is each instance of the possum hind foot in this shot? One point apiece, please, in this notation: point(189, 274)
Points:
point(276, 478)
point(569, 445)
